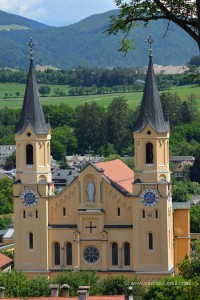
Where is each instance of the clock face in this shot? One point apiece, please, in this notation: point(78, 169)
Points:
point(29, 198)
point(149, 197)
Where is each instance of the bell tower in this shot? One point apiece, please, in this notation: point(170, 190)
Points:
point(152, 203)
point(33, 183)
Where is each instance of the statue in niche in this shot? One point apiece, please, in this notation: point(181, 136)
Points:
point(90, 191)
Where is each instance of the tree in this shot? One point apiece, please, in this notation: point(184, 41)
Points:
point(10, 161)
point(106, 150)
point(195, 61)
point(75, 279)
point(171, 105)
point(169, 288)
point(189, 267)
point(195, 218)
point(119, 285)
point(191, 289)
point(17, 94)
point(180, 191)
point(195, 170)
point(37, 287)
point(185, 113)
point(14, 283)
point(5, 222)
point(186, 14)
point(59, 115)
point(6, 196)
point(90, 127)
point(44, 90)
point(63, 142)
point(119, 133)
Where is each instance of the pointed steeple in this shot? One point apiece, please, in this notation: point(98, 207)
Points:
point(32, 113)
point(151, 109)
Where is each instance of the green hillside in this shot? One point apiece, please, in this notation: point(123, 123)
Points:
point(86, 44)
point(8, 19)
point(133, 99)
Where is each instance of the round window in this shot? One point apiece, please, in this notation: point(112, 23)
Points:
point(91, 254)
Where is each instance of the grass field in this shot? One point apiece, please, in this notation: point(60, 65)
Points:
point(133, 99)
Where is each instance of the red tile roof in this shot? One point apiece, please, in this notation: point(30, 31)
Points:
point(118, 172)
point(4, 260)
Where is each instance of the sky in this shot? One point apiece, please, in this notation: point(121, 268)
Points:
point(56, 12)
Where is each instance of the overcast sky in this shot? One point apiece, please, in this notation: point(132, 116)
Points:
point(56, 12)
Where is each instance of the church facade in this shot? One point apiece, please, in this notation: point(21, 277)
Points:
point(109, 219)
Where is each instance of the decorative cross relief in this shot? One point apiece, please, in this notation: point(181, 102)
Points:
point(90, 227)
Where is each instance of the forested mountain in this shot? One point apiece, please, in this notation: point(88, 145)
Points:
point(8, 19)
point(86, 44)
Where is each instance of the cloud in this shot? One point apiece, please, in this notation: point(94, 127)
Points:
point(9, 6)
point(26, 8)
point(54, 12)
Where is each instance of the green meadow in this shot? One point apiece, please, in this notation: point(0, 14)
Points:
point(133, 99)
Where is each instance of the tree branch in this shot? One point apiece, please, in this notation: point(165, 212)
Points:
point(178, 21)
point(198, 21)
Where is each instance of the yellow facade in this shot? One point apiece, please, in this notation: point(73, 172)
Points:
point(181, 234)
point(95, 223)
point(67, 218)
point(157, 219)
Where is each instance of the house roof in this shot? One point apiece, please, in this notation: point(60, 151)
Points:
point(182, 158)
point(9, 234)
point(151, 109)
point(4, 260)
point(32, 113)
point(67, 174)
point(119, 173)
point(181, 205)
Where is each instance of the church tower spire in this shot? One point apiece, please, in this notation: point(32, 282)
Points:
point(32, 113)
point(32, 134)
point(33, 184)
point(151, 109)
point(152, 204)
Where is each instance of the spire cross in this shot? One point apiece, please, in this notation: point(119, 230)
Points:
point(90, 151)
point(31, 45)
point(150, 42)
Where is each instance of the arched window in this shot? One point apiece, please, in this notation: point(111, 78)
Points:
point(150, 240)
point(127, 254)
point(69, 254)
point(114, 254)
point(57, 254)
point(29, 154)
point(149, 153)
point(30, 240)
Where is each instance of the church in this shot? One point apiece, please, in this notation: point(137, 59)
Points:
point(109, 218)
